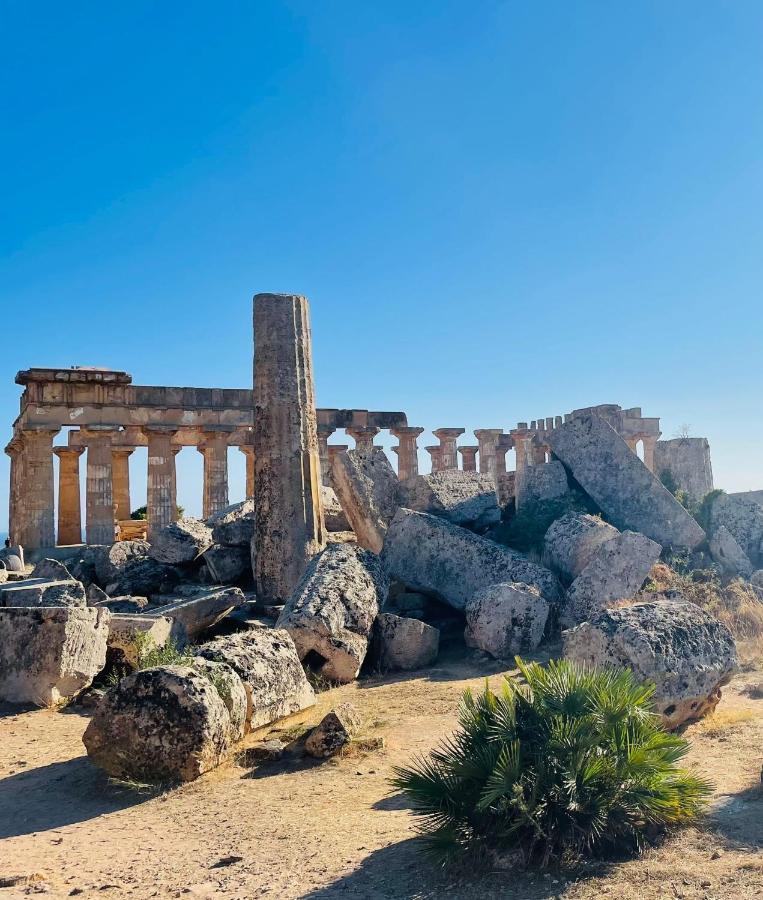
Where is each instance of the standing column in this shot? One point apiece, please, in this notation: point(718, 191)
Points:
point(324, 433)
point(364, 437)
point(162, 490)
point(649, 443)
point(69, 505)
point(99, 508)
point(15, 450)
point(335, 450)
point(435, 452)
point(407, 451)
point(488, 440)
point(36, 493)
point(469, 458)
point(504, 444)
point(249, 454)
point(632, 442)
point(289, 528)
point(448, 454)
point(522, 445)
point(214, 449)
point(120, 462)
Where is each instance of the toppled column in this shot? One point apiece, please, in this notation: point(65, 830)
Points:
point(249, 454)
point(162, 499)
point(324, 433)
point(363, 437)
point(120, 463)
point(69, 504)
point(100, 490)
point(289, 528)
point(36, 489)
point(214, 449)
point(448, 454)
point(469, 458)
point(407, 451)
point(488, 440)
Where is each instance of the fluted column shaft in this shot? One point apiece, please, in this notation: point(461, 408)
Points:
point(99, 507)
point(324, 433)
point(435, 453)
point(469, 458)
point(649, 443)
point(488, 441)
point(448, 454)
point(120, 461)
point(15, 452)
point(407, 451)
point(69, 503)
point(36, 489)
point(162, 490)
point(215, 451)
point(249, 454)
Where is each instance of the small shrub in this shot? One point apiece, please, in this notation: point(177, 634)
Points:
point(570, 761)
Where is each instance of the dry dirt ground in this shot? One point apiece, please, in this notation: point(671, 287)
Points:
point(333, 830)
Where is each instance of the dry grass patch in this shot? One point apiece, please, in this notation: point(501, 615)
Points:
point(722, 720)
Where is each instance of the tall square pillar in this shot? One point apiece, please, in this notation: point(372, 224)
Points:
point(36, 489)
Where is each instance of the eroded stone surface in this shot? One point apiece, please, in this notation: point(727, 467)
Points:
point(143, 577)
point(506, 619)
point(228, 565)
point(727, 553)
point(332, 611)
point(234, 525)
point(333, 514)
point(180, 542)
point(616, 571)
point(335, 731)
point(132, 634)
point(50, 654)
point(468, 499)
point(163, 724)
point(538, 483)
point(402, 643)
point(51, 570)
point(111, 561)
point(232, 692)
point(41, 592)
point(429, 554)
point(684, 651)
point(572, 540)
point(203, 610)
point(620, 484)
point(744, 519)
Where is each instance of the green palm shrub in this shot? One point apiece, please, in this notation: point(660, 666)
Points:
point(564, 760)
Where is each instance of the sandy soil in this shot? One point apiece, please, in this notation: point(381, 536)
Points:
point(303, 829)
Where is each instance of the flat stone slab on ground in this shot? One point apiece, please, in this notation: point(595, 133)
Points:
point(202, 611)
point(42, 592)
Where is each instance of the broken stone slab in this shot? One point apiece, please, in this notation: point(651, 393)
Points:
point(506, 619)
point(330, 614)
point(683, 650)
point(130, 636)
point(743, 518)
point(95, 595)
point(369, 492)
point(402, 643)
point(539, 483)
point(180, 542)
point(616, 571)
point(234, 525)
point(228, 565)
point(727, 553)
point(198, 613)
point(333, 514)
point(266, 661)
point(50, 654)
point(334, 731)
point(144, 578)
point(111, 561)
point(620, 484)
point(468, 499)
point(51, 570)
point(231, 690)
point(572, 540)
point(42, 592)
point(429, 554)
point(128, 605)
point(163, 724)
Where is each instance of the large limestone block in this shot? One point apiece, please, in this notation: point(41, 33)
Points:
point(197, 614)
point(180, 542)
point(572, 540)
point(686, 461)
point(369, 492)
point(429, 554)
point(616, 571)
point(51, 570)
point(330, 614)
point(540, 483)
point(333, 514)
point(622, 486)
point(684, 651)
point(163, 724)
point(231, 690)
point(143, 577)
point(266, 661)
point(234, 525)
point(228, 565)
point(41, 592)
point(50, 654)
point(506, 619)
point(727, 553)
point(111, 561)
point(400, 643)
point(288, 518)
point(129, 633)
point(744, 519)
point(468, 499)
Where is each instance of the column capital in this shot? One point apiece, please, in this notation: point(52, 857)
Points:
point(68, 451)
point(407, 431)
point(488, 434)
point(448, 433)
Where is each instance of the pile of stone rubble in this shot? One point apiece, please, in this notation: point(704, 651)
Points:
point(420, 547)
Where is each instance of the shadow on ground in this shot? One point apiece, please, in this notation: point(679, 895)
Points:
point(61, 793)
point(738, 818)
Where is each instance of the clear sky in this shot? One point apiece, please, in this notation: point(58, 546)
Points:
point(499, 210)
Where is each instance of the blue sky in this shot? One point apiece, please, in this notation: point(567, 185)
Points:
point(499, 210)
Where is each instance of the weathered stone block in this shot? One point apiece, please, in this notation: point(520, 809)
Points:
point(228, 565)
point(143, 577)
point(51, 570)
point(266, 661)
point(111, 561)
point(506, 619)
point(330, 614)
point(234, 525)
point(335, 731)
point(616, 571)
point(679, 647)
point(572, 540)
point(744, 519)
point(333, 514)
point(401, 643)
point(539, 483)
point(727, 553)
point(180, 542)
point(231, 690)
point(687, 460)
point(429, 554)
point(468, 499)
point(50, 654)
point(622, 486)
point(160, 725)
point(369, 492)
point(41, 592)
point(129, 633)
point(198, 613)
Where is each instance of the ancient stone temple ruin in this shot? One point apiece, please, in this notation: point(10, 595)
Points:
point(102, 415)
